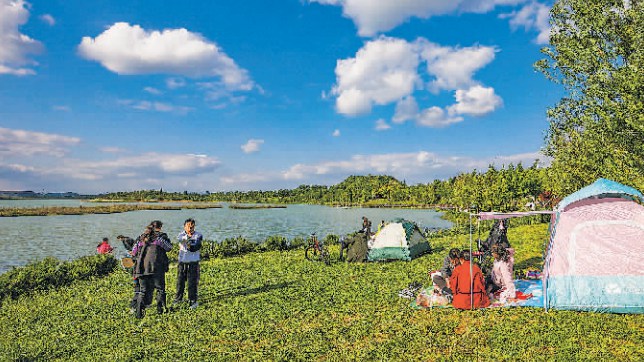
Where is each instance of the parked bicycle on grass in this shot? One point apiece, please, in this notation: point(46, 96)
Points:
point(317, 251)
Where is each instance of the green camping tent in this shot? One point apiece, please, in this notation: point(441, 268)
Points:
point(400, 239)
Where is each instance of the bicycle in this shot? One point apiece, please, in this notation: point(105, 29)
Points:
point(316, 251)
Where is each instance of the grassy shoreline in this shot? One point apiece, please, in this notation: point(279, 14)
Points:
point(278, 306)
point(103, 209)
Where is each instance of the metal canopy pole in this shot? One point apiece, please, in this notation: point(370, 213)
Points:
point(471, 276)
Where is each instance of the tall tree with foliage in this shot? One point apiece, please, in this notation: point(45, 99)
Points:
point(597, 130)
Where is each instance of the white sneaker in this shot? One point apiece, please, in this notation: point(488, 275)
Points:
point(194, 305)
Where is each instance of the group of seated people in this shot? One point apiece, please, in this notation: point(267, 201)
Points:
point(462, 282)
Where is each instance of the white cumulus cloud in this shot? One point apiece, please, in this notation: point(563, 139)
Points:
point(16, 48)
point(406, 109)
point(130, 49)
point(422, 166)
point(152, 90)
point(247, 178)
point(453, 67)
point(381, 125)
point(150, 165)
point(533, 16)
point(436, 117)
point(174, 83)
point(253, 145)
point(15, 142)
point(154, 106)
point(383, 71)
point(143, 171)
point(372, 17)
point(336, 133)
point(48, 19)
point(475, 101)
point(389, 70)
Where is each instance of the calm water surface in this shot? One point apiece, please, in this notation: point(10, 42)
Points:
point(23, 239)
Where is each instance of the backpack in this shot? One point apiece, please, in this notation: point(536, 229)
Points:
point(498, 236)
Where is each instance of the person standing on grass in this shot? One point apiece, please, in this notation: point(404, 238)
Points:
point(151, 266)
point(366, 226)
point(190, 242)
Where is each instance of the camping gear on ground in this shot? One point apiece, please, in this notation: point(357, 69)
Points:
point(429, 298)
point(594, 257)
point(400, 239)
point(529, 294)
point(357, 248)
point(127, 262)
point(411, 290)
point(533, 274)
point(498, 236)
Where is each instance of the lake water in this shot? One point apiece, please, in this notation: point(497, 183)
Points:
point(27, 238)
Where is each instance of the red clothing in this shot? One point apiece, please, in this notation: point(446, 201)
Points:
point(104, 248)
point(461, 282)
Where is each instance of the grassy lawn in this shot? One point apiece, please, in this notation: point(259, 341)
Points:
point(278, 306)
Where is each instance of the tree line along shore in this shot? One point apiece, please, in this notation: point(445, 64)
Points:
point(102, 209)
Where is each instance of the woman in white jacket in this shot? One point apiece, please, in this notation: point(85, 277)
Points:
point(502, 287)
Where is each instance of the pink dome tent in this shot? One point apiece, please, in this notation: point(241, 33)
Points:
point(594, 258)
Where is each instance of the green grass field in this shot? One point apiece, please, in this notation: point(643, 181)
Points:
point(278, 306)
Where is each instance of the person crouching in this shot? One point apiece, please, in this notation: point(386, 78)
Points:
point(104, 247)
point(440, 278)
point(190, 242)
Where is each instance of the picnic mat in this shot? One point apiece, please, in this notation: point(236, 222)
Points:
point(524, 287)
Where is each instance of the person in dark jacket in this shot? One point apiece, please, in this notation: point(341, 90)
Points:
point(441, 277)
point(128, 242)
point(366, 226)
point(150, 267)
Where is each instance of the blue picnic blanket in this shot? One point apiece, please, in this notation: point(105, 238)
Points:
point(533, 286)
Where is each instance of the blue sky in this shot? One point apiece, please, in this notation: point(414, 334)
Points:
point(252, 94)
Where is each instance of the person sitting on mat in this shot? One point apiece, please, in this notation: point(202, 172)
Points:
point(468, 284)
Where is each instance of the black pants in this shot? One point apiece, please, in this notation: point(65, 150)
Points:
point(187, 272)
point(137, 289)
point(147, 285)
point(490, 287)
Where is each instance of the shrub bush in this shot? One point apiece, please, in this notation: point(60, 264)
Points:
point(275, 242)
point(233, 247)
point(51, 273)
point(297, 243)
point(331, 239)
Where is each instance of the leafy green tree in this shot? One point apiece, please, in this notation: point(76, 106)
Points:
point(596, 53)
